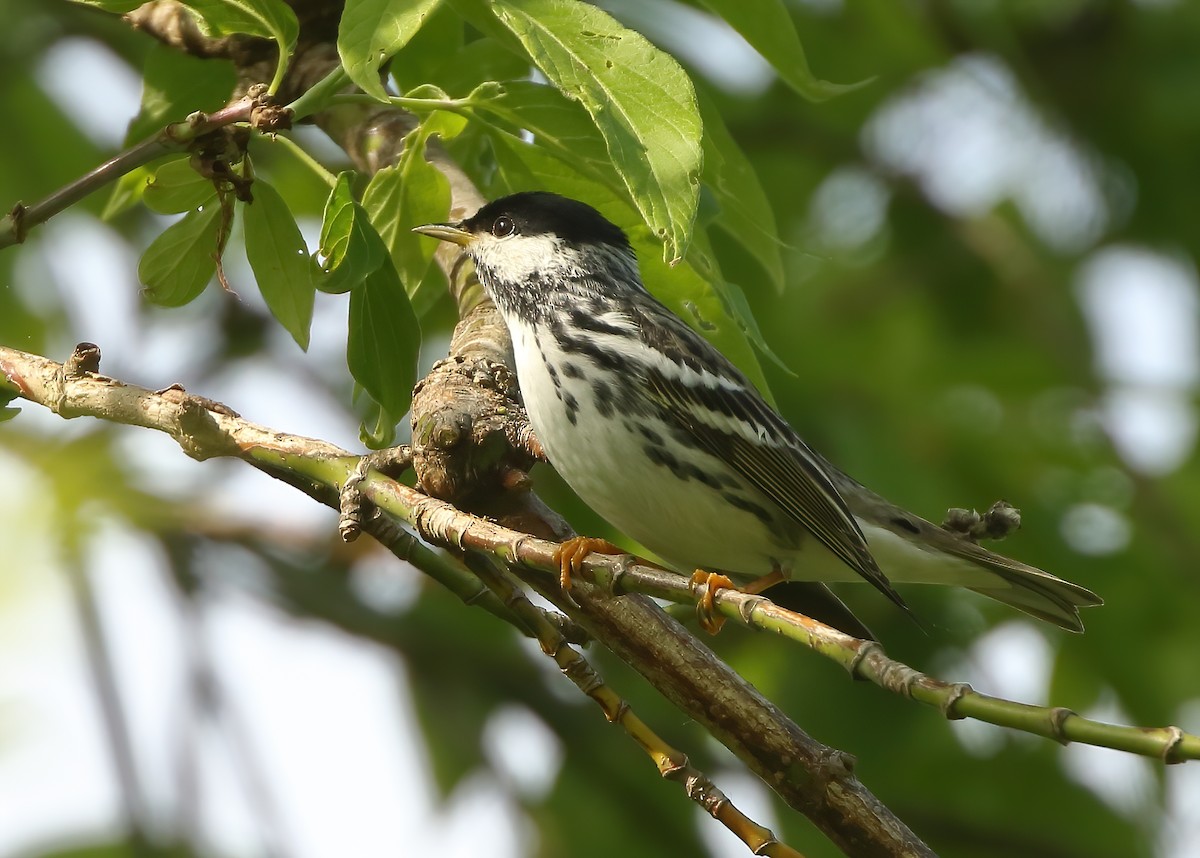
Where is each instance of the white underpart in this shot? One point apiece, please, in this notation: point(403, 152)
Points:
point(687, 524)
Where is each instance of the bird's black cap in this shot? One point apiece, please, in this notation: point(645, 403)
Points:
point(542, 213)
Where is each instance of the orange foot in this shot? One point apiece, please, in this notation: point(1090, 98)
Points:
point(712, 582)
point(570, 555)
point(706, 607)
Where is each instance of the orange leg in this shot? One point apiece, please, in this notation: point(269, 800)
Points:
point(570, 555)
point(712, 582)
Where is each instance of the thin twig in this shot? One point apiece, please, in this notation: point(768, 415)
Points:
point(672, 763)
point(116, 725)
point(177, 137)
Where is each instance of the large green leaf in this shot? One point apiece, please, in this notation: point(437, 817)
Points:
point(411, 193)
point(562, 127)
point(346, 241)
point(280, 261)
point(640, 99)
point(768, 27)
point(744, 211)
point(371, 31)
point(384, 340)
point(556, 124)
point(175, 85)
point(179, 263)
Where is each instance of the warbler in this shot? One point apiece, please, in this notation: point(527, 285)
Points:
point(667, 440)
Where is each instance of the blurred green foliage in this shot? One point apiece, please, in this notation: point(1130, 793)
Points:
point(943, 358)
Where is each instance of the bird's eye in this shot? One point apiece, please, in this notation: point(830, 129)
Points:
point(503, 226)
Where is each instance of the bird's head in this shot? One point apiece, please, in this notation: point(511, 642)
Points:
point(537, 246)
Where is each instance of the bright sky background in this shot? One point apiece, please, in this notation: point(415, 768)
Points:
point(326, 716)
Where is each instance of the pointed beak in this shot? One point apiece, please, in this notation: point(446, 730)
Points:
point(452, 232)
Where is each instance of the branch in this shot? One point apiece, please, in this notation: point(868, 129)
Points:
point(445, 525)
point(812, 778)
point(255, 108)
point(441, 523)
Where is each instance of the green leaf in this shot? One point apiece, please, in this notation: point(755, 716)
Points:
point(120, 7)
point(744, 213)
point(640, 99)
point(384, 340)
point(557, 124)
point(371, 31)
point(179, 263)
point(277, 255)
point(377, 428)
point(350, 254)
point(398, 198)
point(477, 63)
point(173, 86)
point(735, 300)
point(7, 414)
point(440, 38)
point(177, 188)
point(768, 28)
point(268, 19)
point(126, 192)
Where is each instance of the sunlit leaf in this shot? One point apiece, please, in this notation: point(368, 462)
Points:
point(640, 99)
point(371, 31)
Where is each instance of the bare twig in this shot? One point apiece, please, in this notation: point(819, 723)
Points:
point(177, 137)
point(116, 725)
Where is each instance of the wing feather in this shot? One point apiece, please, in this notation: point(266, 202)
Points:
point(705, 395)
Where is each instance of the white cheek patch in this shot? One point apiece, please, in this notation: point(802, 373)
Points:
point(518, 257)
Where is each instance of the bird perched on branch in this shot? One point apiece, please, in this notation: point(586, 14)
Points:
point(662, 436)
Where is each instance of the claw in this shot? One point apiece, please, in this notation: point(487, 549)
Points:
point(706, 606)
point(570, 556)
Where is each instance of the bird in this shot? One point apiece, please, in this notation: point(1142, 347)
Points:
point(662, 436)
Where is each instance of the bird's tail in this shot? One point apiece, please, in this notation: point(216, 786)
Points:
point(912, 550)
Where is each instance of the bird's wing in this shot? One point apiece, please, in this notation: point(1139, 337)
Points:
point(701, 392)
